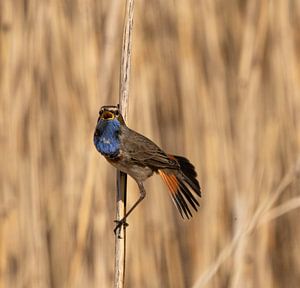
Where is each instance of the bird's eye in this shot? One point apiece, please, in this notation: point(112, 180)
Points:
point(100, 112)
point(117, 113)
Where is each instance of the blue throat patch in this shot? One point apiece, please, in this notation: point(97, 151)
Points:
point(106, 139)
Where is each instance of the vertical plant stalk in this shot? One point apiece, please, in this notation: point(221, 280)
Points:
point(120, 240)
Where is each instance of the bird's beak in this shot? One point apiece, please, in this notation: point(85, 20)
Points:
point(107, 115)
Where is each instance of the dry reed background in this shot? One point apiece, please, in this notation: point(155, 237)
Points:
point(217, 81)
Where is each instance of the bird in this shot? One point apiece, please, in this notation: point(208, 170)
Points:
point(139, 157)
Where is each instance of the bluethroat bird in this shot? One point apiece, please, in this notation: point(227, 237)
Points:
point(139, 157)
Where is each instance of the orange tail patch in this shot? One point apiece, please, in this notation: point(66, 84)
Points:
point(170, 180)
point(180, 194)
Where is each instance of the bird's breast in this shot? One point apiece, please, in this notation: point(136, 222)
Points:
point(107, 147)
point(137, 172)
point(106, 138)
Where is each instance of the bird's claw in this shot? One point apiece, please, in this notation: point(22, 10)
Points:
point(119, 225)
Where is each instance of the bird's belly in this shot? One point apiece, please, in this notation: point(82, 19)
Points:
point(139, 173)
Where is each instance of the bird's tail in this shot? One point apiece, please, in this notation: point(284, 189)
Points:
point(180, 184)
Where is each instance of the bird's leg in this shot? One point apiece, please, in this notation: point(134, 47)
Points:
point(123, 220)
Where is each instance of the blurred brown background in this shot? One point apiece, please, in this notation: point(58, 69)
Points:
point(217, 81)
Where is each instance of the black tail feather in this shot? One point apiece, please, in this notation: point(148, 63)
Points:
point(182, 197)
point(190, 174)
point(181, 185)
point(189, 196)
point(183, 205)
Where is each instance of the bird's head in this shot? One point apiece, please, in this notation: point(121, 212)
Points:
point(109, 113)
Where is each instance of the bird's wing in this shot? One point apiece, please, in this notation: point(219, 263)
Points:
point(144, 152)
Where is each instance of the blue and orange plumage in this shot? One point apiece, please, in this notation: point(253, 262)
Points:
point(139, 157)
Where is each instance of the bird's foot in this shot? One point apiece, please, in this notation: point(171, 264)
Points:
point(119, 225)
